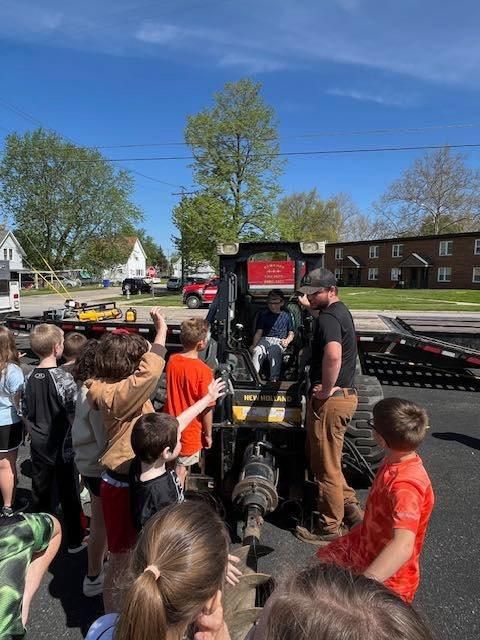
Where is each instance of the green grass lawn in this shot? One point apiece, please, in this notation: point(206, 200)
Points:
point(357, 299)
point(366, 298)
point(27, 293)
point(161, 299)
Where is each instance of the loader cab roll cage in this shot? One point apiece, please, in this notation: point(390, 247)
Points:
point(238, 301)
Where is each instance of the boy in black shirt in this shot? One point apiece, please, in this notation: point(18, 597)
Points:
point(155, 441)
point(49, 408)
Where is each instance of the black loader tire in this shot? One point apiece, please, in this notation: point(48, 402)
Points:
point(360, 438)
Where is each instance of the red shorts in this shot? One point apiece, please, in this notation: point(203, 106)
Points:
point(121, 535)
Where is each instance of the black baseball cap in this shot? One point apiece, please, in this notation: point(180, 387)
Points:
point(317, 279)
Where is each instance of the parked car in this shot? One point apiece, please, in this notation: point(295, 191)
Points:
point(68, 282)
point(135, 285)
point(194, 280)
point(174, 284)
point(196, 295)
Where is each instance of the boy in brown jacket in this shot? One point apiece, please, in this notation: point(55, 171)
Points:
point(126, 375)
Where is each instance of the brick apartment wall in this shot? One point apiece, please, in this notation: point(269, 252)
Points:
point(461, 261)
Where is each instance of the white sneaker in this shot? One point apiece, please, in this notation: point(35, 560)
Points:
point(74, 550)
point(93, 587)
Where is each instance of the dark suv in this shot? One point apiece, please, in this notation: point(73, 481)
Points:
point(174, 284)
point(135, 285)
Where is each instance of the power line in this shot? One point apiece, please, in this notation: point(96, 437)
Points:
point(324, 134)
point(34, 120)
point(281, 153)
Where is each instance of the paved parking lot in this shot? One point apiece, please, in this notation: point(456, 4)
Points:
point(450, 587)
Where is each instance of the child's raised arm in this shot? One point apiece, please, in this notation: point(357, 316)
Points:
point(160, 326)
point(215, 390)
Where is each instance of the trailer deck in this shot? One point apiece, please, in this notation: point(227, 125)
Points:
point(445, 342)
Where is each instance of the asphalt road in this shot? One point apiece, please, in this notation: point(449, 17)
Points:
point(450, 586)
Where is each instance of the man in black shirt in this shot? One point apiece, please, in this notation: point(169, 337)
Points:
point(331, 405)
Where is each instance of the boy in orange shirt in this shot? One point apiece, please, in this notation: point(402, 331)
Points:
point(187, 382)
point(386, 546)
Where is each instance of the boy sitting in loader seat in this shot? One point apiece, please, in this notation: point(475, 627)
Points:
point(273, 333)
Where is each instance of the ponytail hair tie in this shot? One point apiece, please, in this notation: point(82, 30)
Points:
point(153, 569)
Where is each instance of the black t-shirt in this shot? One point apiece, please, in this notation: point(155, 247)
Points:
point(48, 402)
point(334, 324)
point(151, 496)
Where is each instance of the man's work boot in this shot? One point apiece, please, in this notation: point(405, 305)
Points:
point(353, 514)
point(317, 537)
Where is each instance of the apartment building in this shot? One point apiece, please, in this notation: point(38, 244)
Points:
point(450, 261)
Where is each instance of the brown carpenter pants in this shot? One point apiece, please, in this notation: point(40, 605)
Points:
point(326, 422)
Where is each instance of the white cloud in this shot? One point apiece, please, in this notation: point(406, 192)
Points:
point(159, 34)
point(378, 98)
point(251, 63)
point(428, 41)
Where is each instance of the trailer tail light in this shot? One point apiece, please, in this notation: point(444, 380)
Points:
point(16, 301)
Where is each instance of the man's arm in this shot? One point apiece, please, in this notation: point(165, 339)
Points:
point(331, 364)
point(393, 556)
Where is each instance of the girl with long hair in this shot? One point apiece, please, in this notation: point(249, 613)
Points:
point(11, 424)
point(177, 572)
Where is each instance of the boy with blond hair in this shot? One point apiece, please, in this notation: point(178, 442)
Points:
point(386, 546)
point(49, 408)
point(188, 379)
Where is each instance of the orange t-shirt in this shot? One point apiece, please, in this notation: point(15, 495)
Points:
point(187, 382)
point(401, 497)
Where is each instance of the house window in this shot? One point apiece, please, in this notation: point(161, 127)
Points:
point(374, 251)
point(445, 248)
point(444, 274)
point(395, 274)
point(339, 253)
point(476, 275)
point(373, 273)
point(339, 273)
point(5, 254)
point(476, 249)
point(139, 272)
point(397, 250)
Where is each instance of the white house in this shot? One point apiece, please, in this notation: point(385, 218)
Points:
point(11, 250)
point(135, 265)
point(204, 270)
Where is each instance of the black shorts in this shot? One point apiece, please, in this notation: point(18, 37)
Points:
point(92, 484)
point(11, 436)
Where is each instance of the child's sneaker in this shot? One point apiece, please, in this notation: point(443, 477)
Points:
point(74, 550)
point(7, 512)
point(93, 587)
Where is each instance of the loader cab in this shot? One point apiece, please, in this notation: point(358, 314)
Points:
point(248, 271)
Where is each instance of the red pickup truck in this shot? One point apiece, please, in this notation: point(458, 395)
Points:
point(196, 295)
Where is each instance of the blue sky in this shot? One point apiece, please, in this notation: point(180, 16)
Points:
point(121, 72)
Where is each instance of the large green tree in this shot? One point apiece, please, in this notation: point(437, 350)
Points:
point(235, 149)
point(306, 216)
point(155, 254)
point(438, 193)
point(202, 221)
point(62, 200)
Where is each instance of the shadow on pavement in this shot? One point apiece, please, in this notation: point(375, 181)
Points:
point(66, 586)
point(450, 436)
